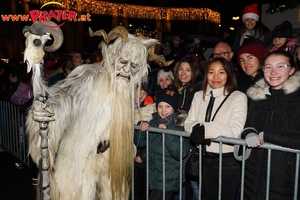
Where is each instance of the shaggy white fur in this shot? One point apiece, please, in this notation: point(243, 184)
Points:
point(94, 104)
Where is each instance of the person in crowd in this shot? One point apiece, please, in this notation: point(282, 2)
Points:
point(283, 37)
point(252, 30)
point(23, 96)
point(195, 49)
point(77, 59)
point(164, 118)
point(250, 58)
point(167, 52)
point(178, 51)
point(296, 52)
point(228, 36)
point(96, 57)
point(274, 117)
point(164, 78)
point(144, 108)
point(217, 110)
point(202, 66)
point(51, 67)
point(187, 81)
point(223, 50)
point(15, 76)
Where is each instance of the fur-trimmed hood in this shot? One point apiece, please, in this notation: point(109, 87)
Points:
point(261, 88)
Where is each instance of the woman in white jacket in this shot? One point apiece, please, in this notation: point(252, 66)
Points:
point(217, 110)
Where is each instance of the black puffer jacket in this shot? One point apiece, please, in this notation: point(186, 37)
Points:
point(277, 114)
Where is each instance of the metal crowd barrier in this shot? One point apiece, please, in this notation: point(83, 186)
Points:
point(222, 140)
point(14, 140)
point(12, 132)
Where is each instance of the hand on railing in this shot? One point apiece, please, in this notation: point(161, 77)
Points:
point(254, 140)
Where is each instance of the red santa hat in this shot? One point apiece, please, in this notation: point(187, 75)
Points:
point(251, 12)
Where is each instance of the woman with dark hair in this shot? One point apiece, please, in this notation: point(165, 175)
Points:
point(273, 117)
point(188, 81)
point(217, 110)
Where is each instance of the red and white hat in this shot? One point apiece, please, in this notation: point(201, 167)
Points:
point(251, 12)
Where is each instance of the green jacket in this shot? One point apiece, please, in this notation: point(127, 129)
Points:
point(172, 156)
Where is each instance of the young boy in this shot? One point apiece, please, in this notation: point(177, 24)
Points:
point(166, 105)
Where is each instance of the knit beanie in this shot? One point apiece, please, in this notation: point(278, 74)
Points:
point(284, 30)
point(176, 40)
point(257, 50)
point(162, 73)
point(251, 12)
point(168, 95)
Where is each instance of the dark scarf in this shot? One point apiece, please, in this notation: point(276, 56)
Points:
point(167, 120)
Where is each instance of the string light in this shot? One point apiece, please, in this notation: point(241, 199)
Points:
point(138, 12)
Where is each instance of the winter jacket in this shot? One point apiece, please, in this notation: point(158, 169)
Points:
point(277, 114)
point(261, 36)
point(245, 82)
point(22, 94)
point(172, 156)
point(229, 121)
point(186, 96)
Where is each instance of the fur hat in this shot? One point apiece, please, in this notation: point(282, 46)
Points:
point(251, 12)
point(257, 50)
point(162, 73)
point(284, 30)
point(176, 40)
point(148, 87)
point(168, 95)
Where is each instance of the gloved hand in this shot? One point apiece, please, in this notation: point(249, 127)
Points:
point(254, 140)
point(197, 135)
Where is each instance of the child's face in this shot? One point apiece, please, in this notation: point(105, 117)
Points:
point(143, 96)
point(165, 81)
point(279, 42)
point(164, 109)
point(250, 23)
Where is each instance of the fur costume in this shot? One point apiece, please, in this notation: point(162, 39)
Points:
point(93, 107)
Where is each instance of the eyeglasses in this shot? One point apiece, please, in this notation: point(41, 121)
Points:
point(279, 67)
point(221, 54)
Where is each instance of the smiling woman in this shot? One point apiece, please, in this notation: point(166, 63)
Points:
point(274, 114)
point(214, 113)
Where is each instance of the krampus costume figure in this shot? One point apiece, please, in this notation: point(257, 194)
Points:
point(91, 125)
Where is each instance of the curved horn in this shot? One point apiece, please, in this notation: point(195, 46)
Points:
point(25, 29)
point(100, 32)
point(57, 35)
point(118, 31)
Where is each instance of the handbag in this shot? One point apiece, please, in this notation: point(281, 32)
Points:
point(192, 163)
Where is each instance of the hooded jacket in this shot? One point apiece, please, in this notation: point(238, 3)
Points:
point(277, 114)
